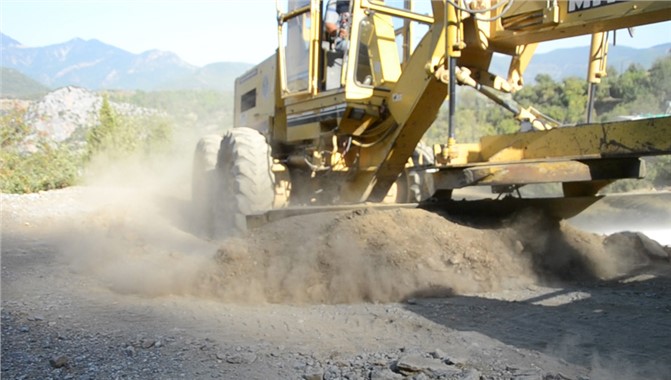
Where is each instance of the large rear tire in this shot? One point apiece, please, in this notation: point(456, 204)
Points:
point(244, 181)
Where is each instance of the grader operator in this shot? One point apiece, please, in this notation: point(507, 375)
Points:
point(317, 124)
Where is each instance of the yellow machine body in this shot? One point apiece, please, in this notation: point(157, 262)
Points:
point(344, 126)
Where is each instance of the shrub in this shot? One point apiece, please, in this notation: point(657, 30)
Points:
point(48, 168)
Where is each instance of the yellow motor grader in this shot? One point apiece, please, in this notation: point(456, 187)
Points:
point(317, 125)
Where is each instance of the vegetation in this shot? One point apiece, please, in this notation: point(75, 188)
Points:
point(117, 136)
point(47, 168)
point(51, 166)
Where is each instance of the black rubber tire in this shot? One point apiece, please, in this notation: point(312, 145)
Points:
point(244, 181)
point(204, 163)
point(423, 155)
point(420, 183)
point(415, 184)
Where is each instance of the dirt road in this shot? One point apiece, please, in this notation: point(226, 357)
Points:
point(105, 283)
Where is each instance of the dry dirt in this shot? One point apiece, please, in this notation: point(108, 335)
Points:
point(111, 282)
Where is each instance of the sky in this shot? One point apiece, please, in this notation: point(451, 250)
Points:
point(198, 31)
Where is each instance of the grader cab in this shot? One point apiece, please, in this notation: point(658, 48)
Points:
point(317, 125)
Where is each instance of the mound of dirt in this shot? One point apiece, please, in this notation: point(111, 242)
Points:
point(134, 244)
point(392, 255)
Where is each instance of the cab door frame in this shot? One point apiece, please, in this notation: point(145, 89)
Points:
point(306, 15)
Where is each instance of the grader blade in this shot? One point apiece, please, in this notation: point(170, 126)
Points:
point(557, 208)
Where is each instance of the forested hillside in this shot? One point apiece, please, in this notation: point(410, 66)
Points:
point(634, 92)
point(16, 85)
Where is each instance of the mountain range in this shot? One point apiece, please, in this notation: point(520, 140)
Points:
point(568, 62)
point(95, 65)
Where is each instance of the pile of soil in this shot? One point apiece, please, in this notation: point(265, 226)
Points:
point(391, 255)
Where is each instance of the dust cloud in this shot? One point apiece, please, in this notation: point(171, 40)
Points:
point(138, 236)
point(562, 251)
point(135, 233)
point(645, 212)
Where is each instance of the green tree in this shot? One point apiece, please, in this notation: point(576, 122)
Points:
point(574, 99)
point(102, 136)
point(545, 95)
point(660, 82)
point(631, 84)
point(121, 136)
point(635, 91)
point(565, 101)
